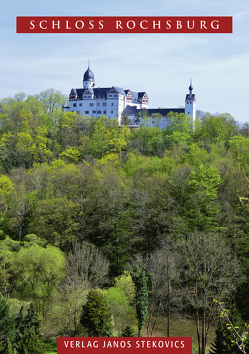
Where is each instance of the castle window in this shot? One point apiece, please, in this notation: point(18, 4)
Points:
point(94, 111)
point(80, 104)
point(104, 112)
point(91, 104)
point(74, 105)
point(99, 112)
point(104, 104)
point(86, 112)
point(98, 104)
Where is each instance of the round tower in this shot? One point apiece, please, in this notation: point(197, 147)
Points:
point(88, 78)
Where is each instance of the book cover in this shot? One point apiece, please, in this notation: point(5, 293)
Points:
point(105, 209)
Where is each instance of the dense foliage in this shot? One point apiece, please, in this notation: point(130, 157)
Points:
point(170, 203)
point(96, 315)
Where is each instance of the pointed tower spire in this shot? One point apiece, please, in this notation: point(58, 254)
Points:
point(190, 87)
point(190, 103)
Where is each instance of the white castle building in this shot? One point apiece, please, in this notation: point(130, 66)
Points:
point(115, 102)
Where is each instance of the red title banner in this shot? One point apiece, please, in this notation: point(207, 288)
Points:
point(206, 24)
point(118, 345)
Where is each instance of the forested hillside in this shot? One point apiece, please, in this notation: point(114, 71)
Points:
point(140, 223)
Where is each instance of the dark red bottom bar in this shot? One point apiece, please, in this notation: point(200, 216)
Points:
point(136, 345)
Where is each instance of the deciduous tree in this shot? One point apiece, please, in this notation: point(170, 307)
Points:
point(208, 271)
point(38, 271)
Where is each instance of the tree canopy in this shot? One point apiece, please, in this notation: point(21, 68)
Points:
point(83, 199)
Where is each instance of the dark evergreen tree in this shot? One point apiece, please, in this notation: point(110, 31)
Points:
point(31, 319)
point(218, 347)
point(140, 280)
point(96, 315)
point(19, 327)
point(128, 331)
point(30, 343)
point(27, 332)
point(7, 329)
point(225, 341)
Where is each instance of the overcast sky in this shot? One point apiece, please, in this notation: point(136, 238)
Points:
point(160, 64)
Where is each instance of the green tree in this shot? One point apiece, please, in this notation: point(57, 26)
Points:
point(6, 257)
point(96, 315)
point(219, 346)
point(24, 134)
point(98, 146)
point(70, 155)
point(8, 250)
point(125, 283)
point(148, 212)
point(52, 100)
point(216, 128)
point(109, 222)
point(140, 280)
point(148, 141)
point(7, 328)
point(20, 96)
point(38, 271)
point(27, 332)
point(128, 331)
point(179, 131)
point(202, 207)
point(30, 343)
point(120, 307)
point(239, 145)
point(18, 203)
point(69, 130)
point(6, 187)
point(55, 220)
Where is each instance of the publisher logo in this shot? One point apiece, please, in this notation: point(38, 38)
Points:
point(105, 345)
point(148, 24)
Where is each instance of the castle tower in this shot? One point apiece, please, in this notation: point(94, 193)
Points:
point(88, 78)
point(190, 103)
